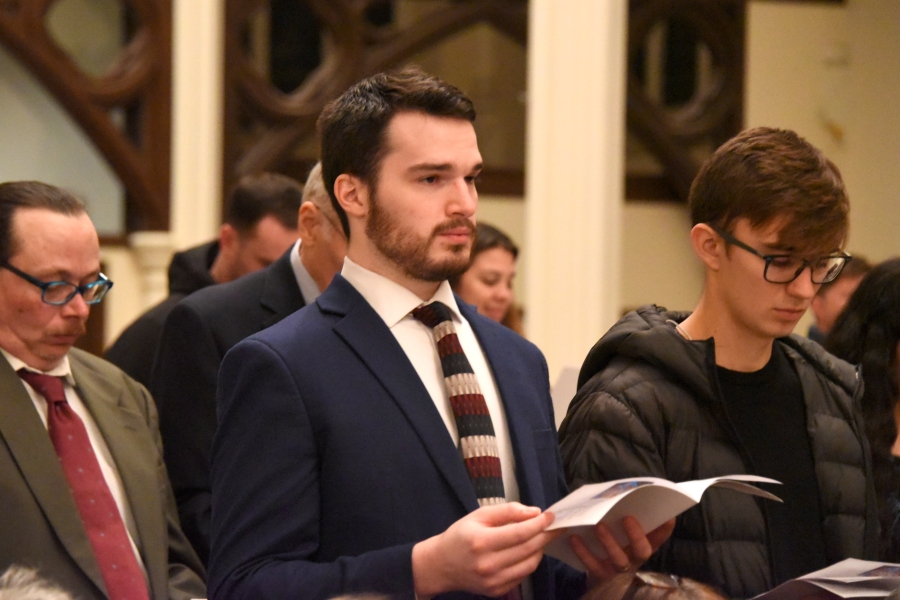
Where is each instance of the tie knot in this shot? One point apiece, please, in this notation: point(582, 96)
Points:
point(432, 314)
point(48, 386)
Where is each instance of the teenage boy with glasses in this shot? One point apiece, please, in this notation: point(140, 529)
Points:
point(729, 389)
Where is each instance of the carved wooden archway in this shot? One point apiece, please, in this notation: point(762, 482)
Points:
point(139, 83)
point(263, 125)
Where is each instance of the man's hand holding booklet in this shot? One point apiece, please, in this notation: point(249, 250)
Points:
point(650, 500)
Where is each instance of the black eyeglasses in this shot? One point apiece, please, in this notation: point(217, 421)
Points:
point(784, 268)
point(59, 293)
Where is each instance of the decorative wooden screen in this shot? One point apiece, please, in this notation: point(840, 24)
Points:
point(137, 87)
point(696, 100)
point(264, 125)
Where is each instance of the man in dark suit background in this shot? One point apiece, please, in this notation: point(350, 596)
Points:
point(80, 434)
point(205, 325)
point(260, 224)
point(336, 467)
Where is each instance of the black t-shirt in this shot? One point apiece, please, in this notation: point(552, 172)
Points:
point(767, 410)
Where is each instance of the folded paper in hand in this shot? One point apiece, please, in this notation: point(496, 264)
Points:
point(850, 578)
point(650, 500)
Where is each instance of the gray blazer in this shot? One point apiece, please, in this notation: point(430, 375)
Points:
point(39, 521)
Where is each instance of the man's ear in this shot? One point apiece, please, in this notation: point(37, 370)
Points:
point(352, 194)
point(228, 238)
point(708, 245)
point(309, 223)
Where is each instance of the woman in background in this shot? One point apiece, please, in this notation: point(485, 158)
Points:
point(867, 333)
point(487, 283)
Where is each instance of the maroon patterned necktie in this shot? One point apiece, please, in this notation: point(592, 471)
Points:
point(105, 529)
point(477, 441)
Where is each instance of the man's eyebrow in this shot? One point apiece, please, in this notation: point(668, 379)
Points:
point(440, 167)
point(67, 276)
point(421, 167)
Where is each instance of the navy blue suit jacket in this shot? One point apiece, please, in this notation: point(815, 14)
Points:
point(331, 461)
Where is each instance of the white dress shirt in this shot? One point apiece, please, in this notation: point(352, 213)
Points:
point(101, 450)
point(394, 304)
point(309, 289)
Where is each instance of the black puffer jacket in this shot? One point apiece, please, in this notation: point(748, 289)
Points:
point(649, 404)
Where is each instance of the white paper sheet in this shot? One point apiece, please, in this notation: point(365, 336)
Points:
point(652, 501)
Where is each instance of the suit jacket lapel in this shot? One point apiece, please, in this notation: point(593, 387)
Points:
point(123, 429)
point(364, 331)
point(281, 295)
point(30, 446)
point(515, 394)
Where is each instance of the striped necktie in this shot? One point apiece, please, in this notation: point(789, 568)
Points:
point(477, 441)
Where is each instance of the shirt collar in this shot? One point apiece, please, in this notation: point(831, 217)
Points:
point(308, 287)
point(389, 299)
point(63, 369)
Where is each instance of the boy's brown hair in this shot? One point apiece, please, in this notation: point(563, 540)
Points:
point(766, 175)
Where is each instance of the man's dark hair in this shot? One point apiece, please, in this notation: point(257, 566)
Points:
point(854, 269)
point(31, 194)
point(353, 127)
point(256, 196)
point(767, 174)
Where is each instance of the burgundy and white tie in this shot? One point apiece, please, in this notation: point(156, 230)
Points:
point(477, 441)
point(105, 529)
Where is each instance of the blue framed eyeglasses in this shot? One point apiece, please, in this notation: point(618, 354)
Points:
point(59, 293)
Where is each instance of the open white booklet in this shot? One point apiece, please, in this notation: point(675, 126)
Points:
point(650, 500)
point(850, 578)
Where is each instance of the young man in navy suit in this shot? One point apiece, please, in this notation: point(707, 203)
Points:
point(337, 466)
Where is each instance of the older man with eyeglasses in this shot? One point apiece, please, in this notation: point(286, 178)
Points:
point(729, 389)
point(84, 496)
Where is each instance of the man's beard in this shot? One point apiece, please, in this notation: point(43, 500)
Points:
point(410, 252)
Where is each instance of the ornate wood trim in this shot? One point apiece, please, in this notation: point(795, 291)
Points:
point(139, 82)
point(264, 125)
point(715, 113)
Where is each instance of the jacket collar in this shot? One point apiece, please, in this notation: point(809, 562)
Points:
point(281, 294)
point(366, 333)
point(189, 269)
point(648, 334)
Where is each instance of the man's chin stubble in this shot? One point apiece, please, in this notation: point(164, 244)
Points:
point(438, 272)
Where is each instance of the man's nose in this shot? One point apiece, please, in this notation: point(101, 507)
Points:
point(77, 307)
point(464, 198)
